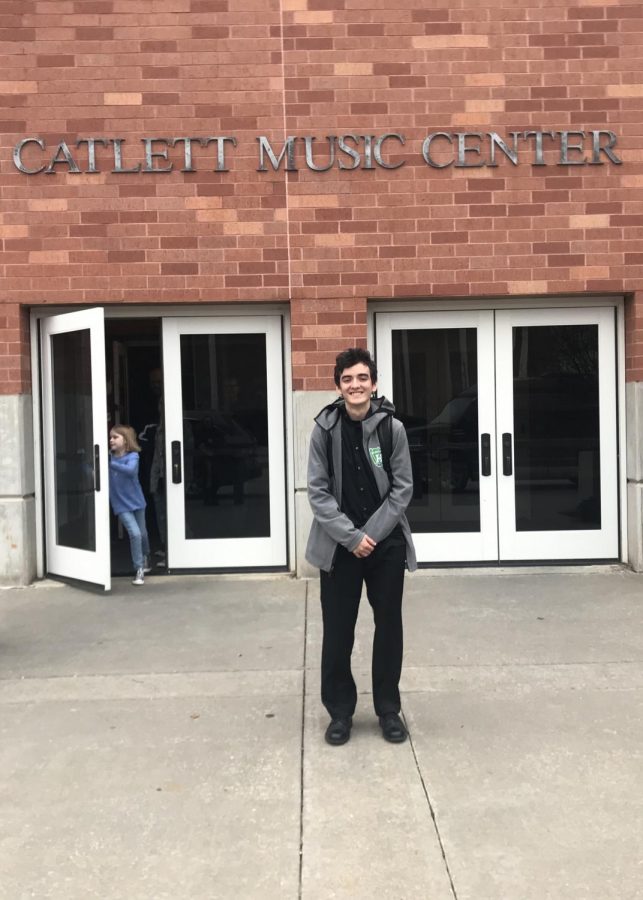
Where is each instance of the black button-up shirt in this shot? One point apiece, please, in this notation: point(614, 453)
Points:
point(360, 495)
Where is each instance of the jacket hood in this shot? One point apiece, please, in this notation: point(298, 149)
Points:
point(329, 416)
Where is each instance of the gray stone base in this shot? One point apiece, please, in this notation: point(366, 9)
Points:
point(17, 541)
point(635, 525)
point(304, 518)
point(634, 425)
point(17, 507)
point(306, 405)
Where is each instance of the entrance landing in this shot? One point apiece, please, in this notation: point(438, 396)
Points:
point(167, 741)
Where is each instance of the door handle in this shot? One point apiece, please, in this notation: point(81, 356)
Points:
point(176, 462)
point(96, 467)
point(507, 462)
point(485, 453)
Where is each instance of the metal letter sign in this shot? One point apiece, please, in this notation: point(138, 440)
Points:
point(346, 152)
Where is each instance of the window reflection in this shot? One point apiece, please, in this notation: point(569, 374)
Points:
point(436, 396)
point(73, 440)
point(225, 436)
point(556, 427)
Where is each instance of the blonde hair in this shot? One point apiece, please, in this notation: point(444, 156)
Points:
point(129, 436)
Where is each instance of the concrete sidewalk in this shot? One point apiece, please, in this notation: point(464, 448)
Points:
point(167, 742)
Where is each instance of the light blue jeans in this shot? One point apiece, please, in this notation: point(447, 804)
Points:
point(134, 525)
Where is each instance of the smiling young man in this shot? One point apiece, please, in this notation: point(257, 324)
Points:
point(359, 485)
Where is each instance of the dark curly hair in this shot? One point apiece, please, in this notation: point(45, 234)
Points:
point(349, 358)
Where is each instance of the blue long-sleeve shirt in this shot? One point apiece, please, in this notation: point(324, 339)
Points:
point(125, 492)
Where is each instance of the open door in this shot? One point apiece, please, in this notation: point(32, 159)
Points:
point(75, 432)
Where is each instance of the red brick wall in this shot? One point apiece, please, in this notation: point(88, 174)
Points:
point(328, 241)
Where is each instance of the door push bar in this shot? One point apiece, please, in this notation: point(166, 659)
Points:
point(96, 467)
point(485, 452)
point(507, 463)
point(176, 462)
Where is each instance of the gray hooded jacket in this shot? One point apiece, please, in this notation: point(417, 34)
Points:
point(330, 525)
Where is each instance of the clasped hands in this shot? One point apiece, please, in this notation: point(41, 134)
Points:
point(365, 547)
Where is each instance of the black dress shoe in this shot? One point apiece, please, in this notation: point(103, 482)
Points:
point(339, 731)
point(393, 728)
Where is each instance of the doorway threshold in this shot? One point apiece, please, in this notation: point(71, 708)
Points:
point(520, 569)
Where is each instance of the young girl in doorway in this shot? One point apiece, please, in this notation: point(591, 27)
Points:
point(126, 495)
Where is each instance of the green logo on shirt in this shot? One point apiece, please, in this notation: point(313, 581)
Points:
point(376, 456)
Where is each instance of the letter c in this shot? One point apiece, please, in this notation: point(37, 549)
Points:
point(377, 153)
point(426, 149)
point(17, 155)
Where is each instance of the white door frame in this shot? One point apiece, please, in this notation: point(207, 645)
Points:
point(91, 566)
point(572, 544)
point(378, 307)
point(189, 553)
point(482, 545)
point(277, 311)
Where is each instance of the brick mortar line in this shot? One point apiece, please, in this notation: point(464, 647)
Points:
point(286, 174)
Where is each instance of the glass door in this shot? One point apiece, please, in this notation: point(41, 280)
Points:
point(438, 369)
point(511, 421)
point(556, 439)
point(76, 485)
point(224, 442)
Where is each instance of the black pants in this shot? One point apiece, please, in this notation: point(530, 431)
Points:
point(383, 572)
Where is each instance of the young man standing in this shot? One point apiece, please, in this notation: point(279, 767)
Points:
point(360, 534)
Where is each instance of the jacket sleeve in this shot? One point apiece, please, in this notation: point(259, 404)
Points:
point(394, 505)
point(127, 464)
point(322, 501)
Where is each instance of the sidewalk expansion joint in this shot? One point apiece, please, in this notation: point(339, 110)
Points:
point(142, 677)
point(433, 818)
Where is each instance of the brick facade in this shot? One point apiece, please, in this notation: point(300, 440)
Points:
point(325, 241)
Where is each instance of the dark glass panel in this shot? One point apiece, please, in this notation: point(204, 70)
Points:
point(73, 440)
point(556, 428)
point(225, 436)
point(436, 397)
